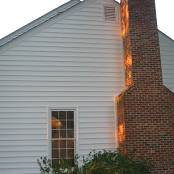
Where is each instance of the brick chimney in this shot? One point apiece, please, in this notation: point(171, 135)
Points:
point(145, 109)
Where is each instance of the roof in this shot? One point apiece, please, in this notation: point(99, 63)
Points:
point(61, 9)
point(57, 11)
point(166, 35)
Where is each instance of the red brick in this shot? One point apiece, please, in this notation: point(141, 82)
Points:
point(146, 107)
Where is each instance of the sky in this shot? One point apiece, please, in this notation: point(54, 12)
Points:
point(17, 13)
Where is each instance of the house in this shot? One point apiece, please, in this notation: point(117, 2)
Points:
point(59, 77)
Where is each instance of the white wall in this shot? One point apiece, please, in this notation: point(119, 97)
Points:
point(167, 60)
point(74, 60)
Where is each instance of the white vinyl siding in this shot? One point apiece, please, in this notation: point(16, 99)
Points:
point(71, 61)
point(167, 60)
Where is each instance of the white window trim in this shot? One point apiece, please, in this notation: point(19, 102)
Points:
point(49, 132)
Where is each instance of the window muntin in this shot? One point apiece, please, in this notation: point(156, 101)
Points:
point(63, 140)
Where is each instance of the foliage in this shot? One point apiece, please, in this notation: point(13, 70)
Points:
point(59, 166)
point(102, 162)
point(45, 165)
point(109, 162)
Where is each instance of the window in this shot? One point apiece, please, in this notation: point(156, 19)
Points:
point(63, 140)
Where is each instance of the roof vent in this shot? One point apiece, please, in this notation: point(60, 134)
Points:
point(109, 12)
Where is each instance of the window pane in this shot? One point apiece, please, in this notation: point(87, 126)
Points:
point(63, 153)
point(55, 133)
point(62, 115)
point(55, 153)
point(70, 153)
point(70, 133)
point(63, 144)
point(70, 125)
point(55, 144)
point(62, 133)
point(70, 115)
point(55, 114)
point(56, 123)
point(70, 144)
point(63, 124)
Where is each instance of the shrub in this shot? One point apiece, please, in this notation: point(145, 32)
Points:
point(102, 162)
point(109, 162)
point(59, 166)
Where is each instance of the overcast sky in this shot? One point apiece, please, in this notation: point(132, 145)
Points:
point(16, 13)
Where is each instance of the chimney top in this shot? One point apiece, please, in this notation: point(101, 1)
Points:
point(141, 42)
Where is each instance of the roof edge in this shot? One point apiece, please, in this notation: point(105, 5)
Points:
point(44, 18)
point(166, 35)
